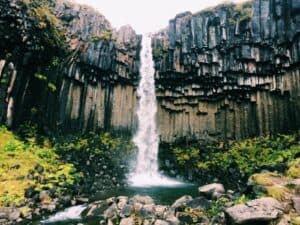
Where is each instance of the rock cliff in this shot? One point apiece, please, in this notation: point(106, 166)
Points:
point(230, 72)
point(91, 87)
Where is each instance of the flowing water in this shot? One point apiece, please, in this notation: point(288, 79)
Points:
point(161, 195)
point(146, 171)
point(145, 179)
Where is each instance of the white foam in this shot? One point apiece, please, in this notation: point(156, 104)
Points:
point(146, 172)
point(72, 213)
point(158, 180)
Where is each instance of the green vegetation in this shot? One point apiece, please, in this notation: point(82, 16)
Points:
point(294, 169)
point(18, 160)
point(242, 12)
point(242, 158)
point(105, 35)
point(31, 161)
point(114, 150)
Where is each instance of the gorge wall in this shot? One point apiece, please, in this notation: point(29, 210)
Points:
point(230, 72)
point(92, 87)
point(224, 73)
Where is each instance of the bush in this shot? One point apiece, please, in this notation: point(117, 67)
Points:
point(240, 159)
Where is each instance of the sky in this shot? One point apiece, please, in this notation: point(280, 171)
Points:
point(147, 15)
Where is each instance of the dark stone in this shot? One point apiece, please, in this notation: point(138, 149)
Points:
point(39, 168)
point(30, 192)
point(199, 203)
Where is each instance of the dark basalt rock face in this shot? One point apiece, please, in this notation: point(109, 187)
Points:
point(225, 73)
point(94, 86)
point(229, 72)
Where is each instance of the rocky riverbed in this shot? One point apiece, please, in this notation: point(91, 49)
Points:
point(212, 205)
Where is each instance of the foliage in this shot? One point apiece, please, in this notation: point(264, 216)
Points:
point(19, 158)
point(294, 169)
point(217, 206)
point(264, 179)
point(105, 35)
point(242, 158)
point(195, 214)
point(52, 87)
point(114, 149)
point(278, 192)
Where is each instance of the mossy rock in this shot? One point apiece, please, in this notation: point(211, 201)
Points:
point(294, 169)
point(263, 179)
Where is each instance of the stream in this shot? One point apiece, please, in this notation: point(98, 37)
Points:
point(161, 195)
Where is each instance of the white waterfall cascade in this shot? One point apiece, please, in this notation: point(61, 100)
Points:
point(146, 172)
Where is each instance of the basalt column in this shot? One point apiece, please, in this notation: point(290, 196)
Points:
point(230, 72)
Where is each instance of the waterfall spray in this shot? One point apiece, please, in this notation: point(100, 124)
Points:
point(146, 172)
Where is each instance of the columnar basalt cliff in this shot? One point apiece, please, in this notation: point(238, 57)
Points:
point(230, 72)
point(224, 73)
point(92, 87)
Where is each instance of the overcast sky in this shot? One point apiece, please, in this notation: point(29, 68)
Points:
point(147, 15)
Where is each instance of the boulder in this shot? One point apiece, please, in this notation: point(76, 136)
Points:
point(126, 211)
point(210, 189)
point(95, 209)
point(147, 211)
point(122, 201)
point(296, 204)
point(160, 210)
point(111, 212)
point(127, 221)
point(199, 203)
point(258, 210)
point(182, 202)
point(145, 200)
point(11, 214)
point(161, 222)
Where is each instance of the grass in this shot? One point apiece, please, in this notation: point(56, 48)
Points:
point(18, 158)
point(294, 169)
point(264, 179)
point(244, 157)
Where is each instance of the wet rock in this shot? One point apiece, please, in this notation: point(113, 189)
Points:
point(182, 202)
point(126, 211)
point(199, 203)
point(122, 201)
point(30, 192)
point(147, 211)
point(212, 191)
point(296, 204)
point(95, 209)
point(146, 200)
point(160, 210)
point(111, 212)
point(39, 168)
point(82, 200)
point(172, 220)
point(127, 221)
point(11, 214)
point(263, 209)
point(161, 222)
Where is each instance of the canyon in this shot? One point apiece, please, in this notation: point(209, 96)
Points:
point(225, 73)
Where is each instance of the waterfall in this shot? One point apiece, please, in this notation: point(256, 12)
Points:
point(146, 172)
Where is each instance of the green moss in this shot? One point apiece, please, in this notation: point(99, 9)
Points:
point(243, 157)
point(295, 220)
point(294, 169)
point(18, 157)
point(278, 192)
point(40, 76)
point(264, 179)
point(52, 87)
point(105, 35)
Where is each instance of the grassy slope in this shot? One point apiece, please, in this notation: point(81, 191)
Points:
point(19, 158)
